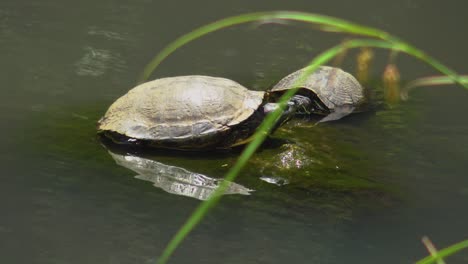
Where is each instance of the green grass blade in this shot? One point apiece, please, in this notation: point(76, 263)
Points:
point(402, 47)
point(444, 252)
point(338, 25)
point(387, 42)
point(335, 24)
point(261, 134)
point(432, 249)
point(415, 52)
point(258, 138)
point(430, 81)
point(435, 80)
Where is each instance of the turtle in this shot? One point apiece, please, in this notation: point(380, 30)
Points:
point(193, 112)
point(334, 92)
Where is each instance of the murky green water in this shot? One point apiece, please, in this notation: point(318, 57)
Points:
point(372, 186)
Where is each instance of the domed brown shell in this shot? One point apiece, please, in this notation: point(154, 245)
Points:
point(333, 86)
point(181, 110)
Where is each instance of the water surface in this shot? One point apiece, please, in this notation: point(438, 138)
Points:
point(373, 185)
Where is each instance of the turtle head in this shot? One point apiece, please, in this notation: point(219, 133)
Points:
point(297, 103)
point(301, 103)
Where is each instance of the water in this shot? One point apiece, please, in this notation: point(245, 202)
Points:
point(372, 186)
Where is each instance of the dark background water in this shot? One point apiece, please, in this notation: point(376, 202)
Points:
point(373, 185)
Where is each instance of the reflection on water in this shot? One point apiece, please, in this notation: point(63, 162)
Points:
point(97, 62)
point(95, 31)
point(358, 190)
point(173, 179)
point(274, 180)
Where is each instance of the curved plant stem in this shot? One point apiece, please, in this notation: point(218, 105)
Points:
point(444, 253)
point(387, 42)
point(258, 138)
point(430, 81)
point(331, 23)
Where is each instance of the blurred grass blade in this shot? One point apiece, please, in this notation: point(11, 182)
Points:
point(261, 134)
point(432, 250)
point(334, 24)
point(338, 25)
point(258, 138)
point(444, 253)
point(430, 81)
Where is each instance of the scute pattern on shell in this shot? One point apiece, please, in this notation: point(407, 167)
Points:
point(181, 108)
point(333, 86)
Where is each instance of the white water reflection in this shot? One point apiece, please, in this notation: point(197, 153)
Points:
point(110, 35)
point(96, 62)
point(279, 181)
point(174, 179)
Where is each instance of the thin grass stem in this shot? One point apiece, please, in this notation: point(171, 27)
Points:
point(258, 138)
point(387, 42)
point(430, 81)
point(331, 23)
point(432, 250)
point(261, 134)
point(444, 253)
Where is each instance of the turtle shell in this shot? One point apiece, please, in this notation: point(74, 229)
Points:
point(183, 112)
point(333, 86)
